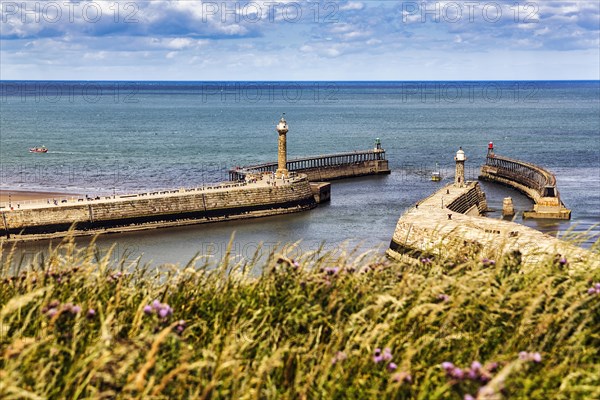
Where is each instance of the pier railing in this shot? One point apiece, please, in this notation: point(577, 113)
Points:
point(303, 164)
point(534, 181)
point(527, 174)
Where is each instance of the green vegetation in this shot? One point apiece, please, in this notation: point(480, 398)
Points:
point(327, 325)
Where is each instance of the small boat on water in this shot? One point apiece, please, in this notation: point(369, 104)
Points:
point(42, 149)
point(436, 176)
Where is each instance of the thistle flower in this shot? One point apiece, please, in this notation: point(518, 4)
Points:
point(595, 289)
point(377, 357)
point(563, 261)
point(180, 327)
point(535, 357)
point(148, 310)
point(476, 365)
point(447, 366)
point(163, 312)
point(392, 366)
point(443, 297)
point(387, 354)
point(457, 373)
point(469, 397)
point(91, 313)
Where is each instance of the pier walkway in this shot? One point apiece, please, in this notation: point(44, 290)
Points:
point(325, 167)
point(449, 223)
point(535, 182)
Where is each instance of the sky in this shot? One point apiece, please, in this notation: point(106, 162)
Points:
point(299, 40)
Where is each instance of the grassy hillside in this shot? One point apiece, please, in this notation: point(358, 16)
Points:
point(331, 326)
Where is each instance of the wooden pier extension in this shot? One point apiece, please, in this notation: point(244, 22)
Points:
point(326, 167)
point(535, 182)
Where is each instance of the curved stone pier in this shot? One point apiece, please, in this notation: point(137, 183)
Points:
point(448, 223)
point(535, 182)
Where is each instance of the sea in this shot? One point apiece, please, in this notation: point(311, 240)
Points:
point(124, 137)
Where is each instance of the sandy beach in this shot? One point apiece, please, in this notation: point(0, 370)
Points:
point(23, 195)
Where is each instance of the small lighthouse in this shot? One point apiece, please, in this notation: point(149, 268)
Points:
point(282, 129)
point(490, 152)
point(459, 177)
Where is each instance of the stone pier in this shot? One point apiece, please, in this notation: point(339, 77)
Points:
point(259, 197)
point(327, 167)
point(533, 181)
point(449, 224)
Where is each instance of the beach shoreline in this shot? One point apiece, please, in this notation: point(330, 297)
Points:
point(27, 195)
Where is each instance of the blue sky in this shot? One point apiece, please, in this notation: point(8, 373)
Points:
point(300, 40)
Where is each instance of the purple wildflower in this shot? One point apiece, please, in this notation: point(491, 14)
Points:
point(457, 373)
point(163, 312)
point(392, 366)
point(180, 327)
point(469, 397)
point(426, 260)
point(387, 354)
point(472, 374)
point(595, 289)
point(563, 261)
point(156, 305)
point(332, 270)
point(52, 312)
point(447, 366)
point(535, 357)
point(377, 359)
point(443, 297)
point(147, 310)
point(75, 309)
point(91, 313)
point(476, 365)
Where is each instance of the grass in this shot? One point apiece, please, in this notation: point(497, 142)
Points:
point(80, 325)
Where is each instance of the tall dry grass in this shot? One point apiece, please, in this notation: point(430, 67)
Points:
point(333, 326)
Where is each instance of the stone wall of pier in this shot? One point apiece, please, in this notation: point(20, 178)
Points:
point(533, 181)
point(448, 223)
point(330, 173)
point(140, 212)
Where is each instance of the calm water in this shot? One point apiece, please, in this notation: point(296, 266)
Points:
point(129, 136)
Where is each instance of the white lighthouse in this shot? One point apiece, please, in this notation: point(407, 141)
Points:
point(459, 176)
point(282, 129)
